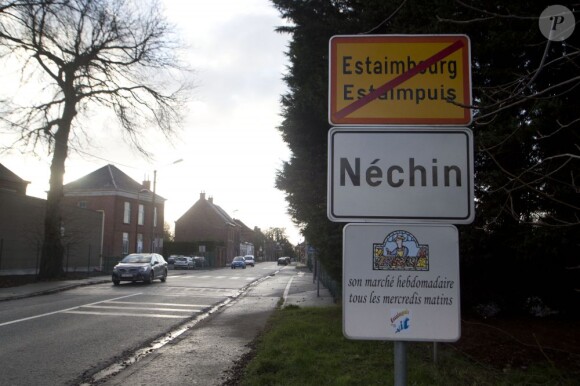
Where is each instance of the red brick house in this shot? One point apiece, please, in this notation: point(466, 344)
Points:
point(133, 214)
point(22, 230)
point(207, 222)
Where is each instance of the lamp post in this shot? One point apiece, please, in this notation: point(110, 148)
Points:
point(137, 219)
point(153, 212)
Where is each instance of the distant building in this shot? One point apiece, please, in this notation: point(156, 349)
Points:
point(133, 214)
point(207, 222)
point(247, 239)
point(22, 230)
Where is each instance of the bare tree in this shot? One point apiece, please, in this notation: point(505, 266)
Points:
point(526, 117)
point(119, 55)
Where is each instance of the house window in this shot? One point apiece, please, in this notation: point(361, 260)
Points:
point(139, 243)
point(141, 218)
point(154, 216)
point(82, 204)
point(127, 213)
point(125, 243)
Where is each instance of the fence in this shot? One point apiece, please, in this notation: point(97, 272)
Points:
point(319, 272)
point(23, 258)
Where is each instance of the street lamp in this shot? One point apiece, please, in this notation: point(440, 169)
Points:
point(153, 212)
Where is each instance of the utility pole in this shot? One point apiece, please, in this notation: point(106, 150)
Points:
point(153, 213)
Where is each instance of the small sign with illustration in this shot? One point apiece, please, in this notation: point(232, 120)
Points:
point(400, 251)
point(401, 282)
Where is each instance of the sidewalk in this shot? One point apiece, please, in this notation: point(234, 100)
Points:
point(47, 287)
point(205, 353)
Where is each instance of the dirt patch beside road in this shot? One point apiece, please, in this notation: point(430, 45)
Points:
point(506, 343)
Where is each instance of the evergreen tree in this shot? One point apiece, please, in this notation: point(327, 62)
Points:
point(526, 128)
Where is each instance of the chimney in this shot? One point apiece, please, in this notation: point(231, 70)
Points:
point(202, 196)
point(146, 185)
point(210, 199)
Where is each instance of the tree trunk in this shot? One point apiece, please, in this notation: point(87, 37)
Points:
point(51, 262)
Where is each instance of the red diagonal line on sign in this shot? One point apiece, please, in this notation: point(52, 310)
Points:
point(399, 79)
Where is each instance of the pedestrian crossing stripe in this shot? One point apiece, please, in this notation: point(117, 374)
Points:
point(169, 316)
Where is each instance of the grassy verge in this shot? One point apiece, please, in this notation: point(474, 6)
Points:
point(305, 346)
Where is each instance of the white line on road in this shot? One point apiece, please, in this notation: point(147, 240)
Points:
point(139, 308)
point(210, 277)
point(125, 314)
point(65, 310)
point(286, 290)
point(165, 304)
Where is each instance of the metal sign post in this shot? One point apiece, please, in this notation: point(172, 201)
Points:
point(400, 363)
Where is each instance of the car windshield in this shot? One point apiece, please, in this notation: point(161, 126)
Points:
point(181, 258)
point(239, 258)
point(136, 259)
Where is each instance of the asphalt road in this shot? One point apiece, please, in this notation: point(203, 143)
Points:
point(63, 338)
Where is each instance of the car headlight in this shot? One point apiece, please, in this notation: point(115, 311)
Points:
point(143, 269)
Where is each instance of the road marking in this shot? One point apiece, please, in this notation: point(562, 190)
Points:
point(65, 310)
point(139, 308)
point(165, 304)
point(126, 314)
point(211, 277)
point(286, 290)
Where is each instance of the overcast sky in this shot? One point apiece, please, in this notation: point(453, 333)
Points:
point(229, 144)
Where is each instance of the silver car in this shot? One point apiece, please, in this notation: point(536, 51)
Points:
point(250, 260)
point(184, 262)
point(144, 267)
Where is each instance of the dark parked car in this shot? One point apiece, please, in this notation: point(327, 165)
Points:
point(238, 262)
point(283, 261)
point(199, 261)
point(171, 259)
point(140, 267)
